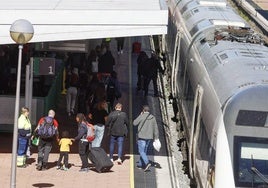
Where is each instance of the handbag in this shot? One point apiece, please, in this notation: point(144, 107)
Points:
point(35, 141)
point(157, 144)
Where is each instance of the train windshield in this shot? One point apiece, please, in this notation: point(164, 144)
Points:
point(251, 161)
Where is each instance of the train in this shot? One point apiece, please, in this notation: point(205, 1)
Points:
point(218, 68)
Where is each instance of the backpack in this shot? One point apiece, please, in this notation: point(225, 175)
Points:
point(90, 132)
point(47, 128)
point(111, 88)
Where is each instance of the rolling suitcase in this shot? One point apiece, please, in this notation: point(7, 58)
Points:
point(100, 160)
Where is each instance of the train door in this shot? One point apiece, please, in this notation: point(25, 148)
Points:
point(195, 127)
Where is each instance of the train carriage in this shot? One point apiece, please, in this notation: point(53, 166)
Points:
point(219, 76)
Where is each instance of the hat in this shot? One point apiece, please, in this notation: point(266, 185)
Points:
point(75, 71)
point(51, 113)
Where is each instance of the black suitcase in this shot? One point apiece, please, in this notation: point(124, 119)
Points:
point(100, 160)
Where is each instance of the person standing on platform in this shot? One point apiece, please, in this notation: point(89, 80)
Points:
point(47, 130)
point(113, 90)
point(98, 117)
point(120, 44)
point(147, 131)
point(140, 60)
point(65, 143)
point(106, 62)
point(84, 145)
point(72, 85)
point(118, 129)
point(24, 132)
point(150, 70)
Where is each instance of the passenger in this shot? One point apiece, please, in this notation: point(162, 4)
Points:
point(65, 143)
point(24, 132)
point(93, 62)
point(84, 145)
point(106, 62)
point(113, 90)
point(118, 130)
point(150, 70)
point(72, 86)
point(91, 93)
point(82, 94)
point(146, 132)
point(120, 44)
point(98, 117)
point(47, 136)
point(141, 59)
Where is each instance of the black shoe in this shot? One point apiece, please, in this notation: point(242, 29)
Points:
point(39, 167)
point(45, 167)
point(139, 167)
point(147, 167)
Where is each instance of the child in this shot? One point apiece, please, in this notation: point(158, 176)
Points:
point(64, 143)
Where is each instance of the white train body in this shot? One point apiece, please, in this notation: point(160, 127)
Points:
point(220, 79)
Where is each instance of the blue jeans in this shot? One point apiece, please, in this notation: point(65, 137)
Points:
point(143, 145)
point(99, 131)
point(120, 143)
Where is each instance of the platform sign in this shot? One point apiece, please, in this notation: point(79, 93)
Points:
point(44, 66)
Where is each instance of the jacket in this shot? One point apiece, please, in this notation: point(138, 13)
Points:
point(24, 126)
point(118, 123)
point(148, 129)
point(82, 131)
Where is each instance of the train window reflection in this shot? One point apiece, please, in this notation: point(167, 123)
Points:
point(259, 151)
point(251, 118)
point(250, 161)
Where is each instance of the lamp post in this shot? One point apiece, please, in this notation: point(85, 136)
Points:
point(21, 31)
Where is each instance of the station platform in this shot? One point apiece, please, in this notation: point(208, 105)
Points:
point(161, 175)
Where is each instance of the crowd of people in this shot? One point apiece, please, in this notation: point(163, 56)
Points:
point(92, 87)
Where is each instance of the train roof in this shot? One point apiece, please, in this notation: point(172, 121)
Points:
point(234, 66)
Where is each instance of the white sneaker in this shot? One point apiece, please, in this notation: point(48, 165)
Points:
point(119, 161)
point(112, 160)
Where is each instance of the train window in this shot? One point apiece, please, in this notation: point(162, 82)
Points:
point(250, 161)
point(251, 118)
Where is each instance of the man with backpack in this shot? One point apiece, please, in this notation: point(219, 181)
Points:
point(113, 90)
point(47, 130)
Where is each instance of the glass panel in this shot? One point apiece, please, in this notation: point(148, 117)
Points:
point(250, 154)
point(251, 118)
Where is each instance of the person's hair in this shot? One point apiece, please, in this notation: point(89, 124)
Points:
point(99, 104)
point(118, 105)
point(65, 134)
point(24, 109)
point(81, 117)
point(146, 108)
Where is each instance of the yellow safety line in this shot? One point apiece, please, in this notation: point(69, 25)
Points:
point(130, 117)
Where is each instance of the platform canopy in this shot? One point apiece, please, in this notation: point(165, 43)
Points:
point(60, 20)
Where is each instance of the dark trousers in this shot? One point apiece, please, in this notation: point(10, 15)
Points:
point(22, 146)
point(44, 149)
point(83, 149)
point(65, 156)
point(147, 81)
